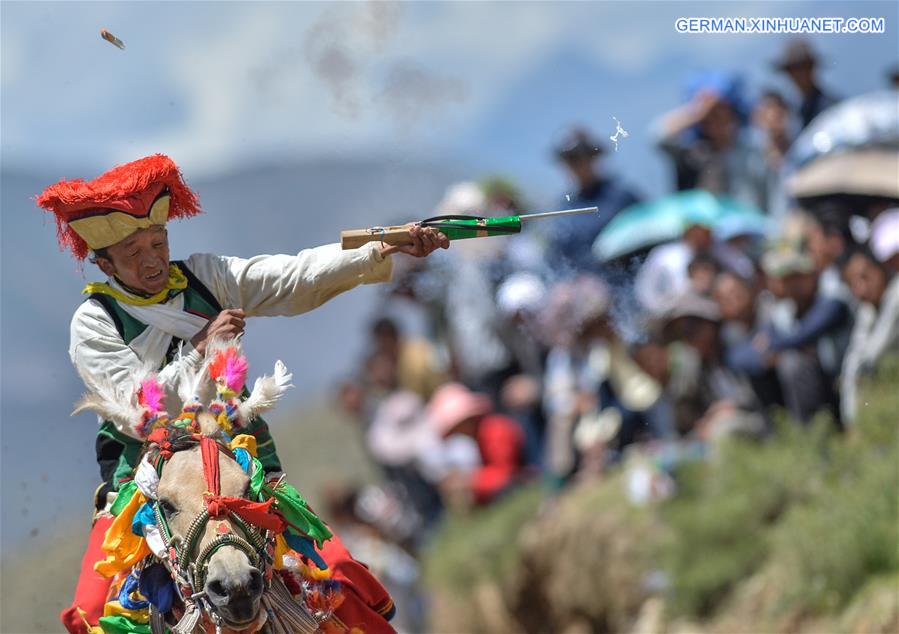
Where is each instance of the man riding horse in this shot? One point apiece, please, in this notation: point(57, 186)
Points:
point(162, 314)
point(203, 539)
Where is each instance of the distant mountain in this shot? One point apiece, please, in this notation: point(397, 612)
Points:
point(47, 469)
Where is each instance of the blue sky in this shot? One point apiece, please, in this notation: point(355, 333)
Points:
point(219, 85)
point(477, 86)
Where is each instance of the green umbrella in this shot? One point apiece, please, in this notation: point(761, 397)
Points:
point(645, 225)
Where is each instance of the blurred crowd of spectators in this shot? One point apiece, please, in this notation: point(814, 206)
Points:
point(524, 358)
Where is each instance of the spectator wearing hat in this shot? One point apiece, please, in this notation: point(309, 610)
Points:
point(576, 326)
point(571, 238)
point(664, 275)
point(519, 299)
point(597, 399)
point(628, 407)
point(799, 61)
point(455, 410)
point(738, 244)
point(465, 284)
point(803, 341)
point(709, 399)
point(745, 307)
point(708, 143)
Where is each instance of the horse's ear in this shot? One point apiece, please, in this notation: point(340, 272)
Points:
point(208, 423)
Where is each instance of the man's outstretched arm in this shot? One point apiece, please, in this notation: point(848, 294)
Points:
point(284, 285)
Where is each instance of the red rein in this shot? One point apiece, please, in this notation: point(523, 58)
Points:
point(256, 513)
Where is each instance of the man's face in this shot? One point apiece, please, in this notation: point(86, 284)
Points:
point(698, 237)
point(823, 248)
point(697, 332)
point(734, 297)
point(801, 287)
point(382, 371)
point(140, 261)
point(702, 334)
point(770, 115)
point(866, 281)
point(720, 124)
point(582, 169)
point(801, 74)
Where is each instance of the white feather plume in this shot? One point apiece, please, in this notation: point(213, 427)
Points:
point(267, 391)
point(190, 381)
point(113, 401)
point(194, 384)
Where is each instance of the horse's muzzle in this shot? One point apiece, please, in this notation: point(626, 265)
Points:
point(236, 596)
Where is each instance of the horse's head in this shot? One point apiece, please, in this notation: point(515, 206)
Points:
point(223, 555)
point(213, 522)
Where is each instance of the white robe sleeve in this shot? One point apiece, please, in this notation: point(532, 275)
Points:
point(100, 355)
point(284, 285)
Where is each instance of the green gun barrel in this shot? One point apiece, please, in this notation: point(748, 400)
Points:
point(459, 228)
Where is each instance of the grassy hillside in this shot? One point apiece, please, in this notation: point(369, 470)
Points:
point(799, 534)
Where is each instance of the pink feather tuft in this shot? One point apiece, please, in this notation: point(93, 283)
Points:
point(228, 368)
point(152, 396)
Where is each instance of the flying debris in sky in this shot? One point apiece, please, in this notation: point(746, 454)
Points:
point(619, 131)
point(112, 39)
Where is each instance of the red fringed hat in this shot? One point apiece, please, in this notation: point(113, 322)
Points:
point(95, 214)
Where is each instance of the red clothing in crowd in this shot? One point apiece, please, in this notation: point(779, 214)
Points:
point(501, 442)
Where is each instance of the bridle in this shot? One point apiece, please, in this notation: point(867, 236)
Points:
point(189, 572)
point(270, 521)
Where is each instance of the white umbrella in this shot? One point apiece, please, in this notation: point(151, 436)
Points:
point(870, 120)
point(866, 172)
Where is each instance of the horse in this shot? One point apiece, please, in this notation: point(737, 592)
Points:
point(223, 548)
point(220, 542)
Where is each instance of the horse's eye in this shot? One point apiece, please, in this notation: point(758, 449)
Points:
point(247, 492)
point(168, 509)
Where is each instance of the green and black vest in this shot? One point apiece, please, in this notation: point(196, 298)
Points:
point(117, 453)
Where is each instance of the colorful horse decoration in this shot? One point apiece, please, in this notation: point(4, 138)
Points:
point(203, 540)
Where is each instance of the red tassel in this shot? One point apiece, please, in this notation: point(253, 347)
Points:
point(160, 437)
point(290, 582)
point(209, 450)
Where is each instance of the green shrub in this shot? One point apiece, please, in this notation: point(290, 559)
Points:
point(481, 545)
point(799, 532)
point(824, 504)
point(724, 509)
point(850, 533)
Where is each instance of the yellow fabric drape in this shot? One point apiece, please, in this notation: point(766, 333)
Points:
point(123, 547)
point(281, 549)
point(244, 441)
point(176, 281)
point(114, 608)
